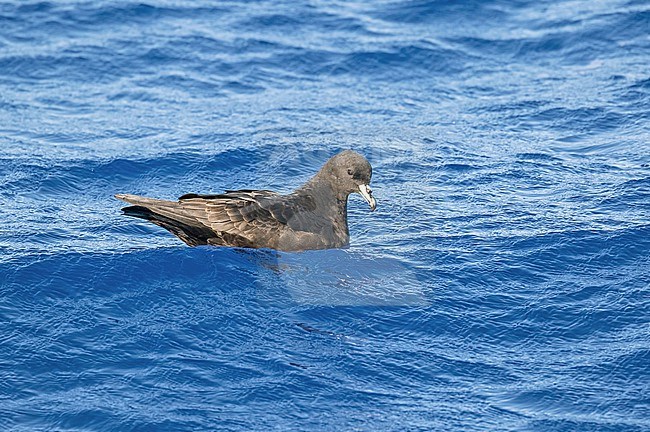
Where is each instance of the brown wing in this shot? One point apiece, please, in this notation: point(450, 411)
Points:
point(244, 218)
point(248, 218)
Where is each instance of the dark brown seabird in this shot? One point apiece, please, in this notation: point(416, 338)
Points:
point(314, 216)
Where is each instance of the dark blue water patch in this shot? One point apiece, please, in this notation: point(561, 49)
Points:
point(160, 56)
point(183, 83)
point(420, 11)
point(136, 96)
point(306, 17)
point(70, 179)
point(539, 158)
point(630, 25)
point(78, 68)
point(583, 424)
point(578, 47)
point(636, 95)
point(239, 87)
point(91, 17)
point(278, 20)
point(642, 85)
point(74, 363)
point(426, 58)
point(188, 161)
point(522, 49)
point(13, 16)
point(630, 195)
point(53, 103)
point(582, 120)
point(34, 7)
point(112, 306)
point(198, 43)
point(407, 61)
point(513, 107)
point(130, 12)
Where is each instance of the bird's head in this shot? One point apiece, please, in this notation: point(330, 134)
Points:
point(352, 173)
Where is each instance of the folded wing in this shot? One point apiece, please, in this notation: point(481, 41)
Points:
point(244, 218)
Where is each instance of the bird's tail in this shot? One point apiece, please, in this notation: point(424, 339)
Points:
point(169, 215)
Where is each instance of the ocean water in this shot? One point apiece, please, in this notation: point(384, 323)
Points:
point(503, 283)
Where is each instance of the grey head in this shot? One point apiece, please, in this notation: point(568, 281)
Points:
point(349, 173)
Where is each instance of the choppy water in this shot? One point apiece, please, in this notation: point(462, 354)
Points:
point(503, 283)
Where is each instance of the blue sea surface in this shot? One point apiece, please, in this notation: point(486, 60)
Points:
point(503, 284)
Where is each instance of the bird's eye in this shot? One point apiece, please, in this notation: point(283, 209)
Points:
point(350, 171)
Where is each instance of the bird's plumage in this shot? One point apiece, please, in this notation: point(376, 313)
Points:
point(312, 217)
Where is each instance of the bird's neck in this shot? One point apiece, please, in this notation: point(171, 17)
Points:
point(321, 189)
point(330, 204)
point(324, 191)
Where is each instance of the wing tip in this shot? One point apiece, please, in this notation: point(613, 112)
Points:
point(188, 196)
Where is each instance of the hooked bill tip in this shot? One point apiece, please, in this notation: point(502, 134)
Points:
point(366, 193)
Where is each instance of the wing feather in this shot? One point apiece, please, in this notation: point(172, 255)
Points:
point(256, 216)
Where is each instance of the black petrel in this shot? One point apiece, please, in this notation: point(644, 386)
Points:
point(314, 216)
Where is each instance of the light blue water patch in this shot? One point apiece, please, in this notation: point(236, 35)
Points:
point(345, 278)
